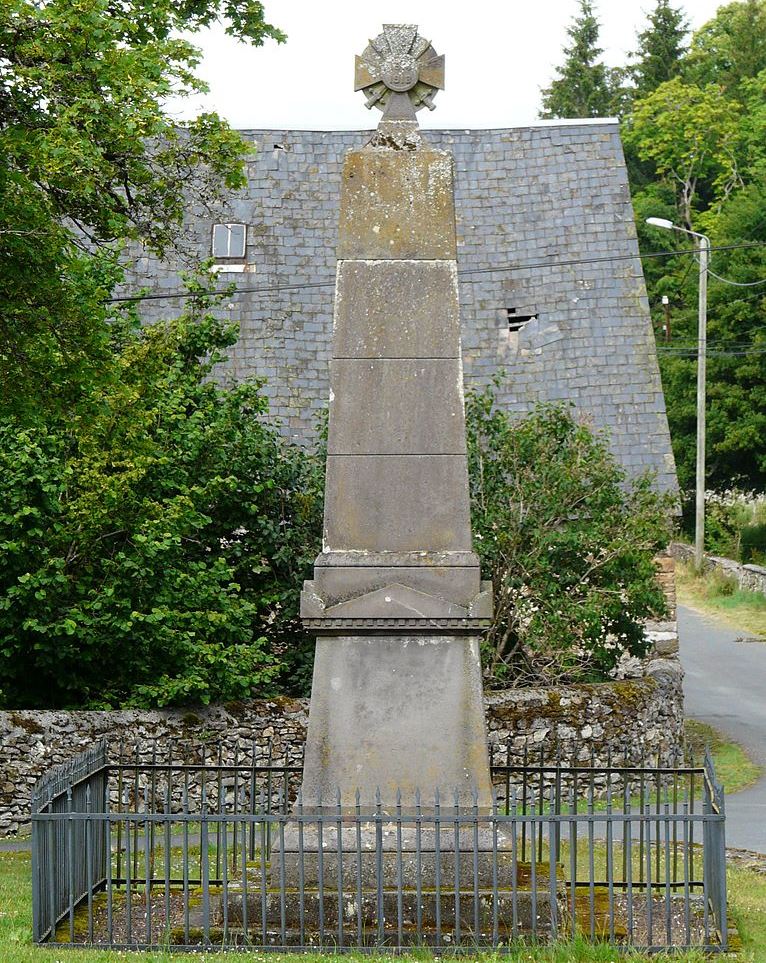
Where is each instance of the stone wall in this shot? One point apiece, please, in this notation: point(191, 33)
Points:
point(627, 719)
point(749, 577)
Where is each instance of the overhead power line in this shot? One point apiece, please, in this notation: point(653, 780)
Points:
point(736, 284)
point(500, 269)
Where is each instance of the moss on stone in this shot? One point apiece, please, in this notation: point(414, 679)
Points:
point(27, 724)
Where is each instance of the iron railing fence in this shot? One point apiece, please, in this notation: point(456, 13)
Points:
point(143, 853)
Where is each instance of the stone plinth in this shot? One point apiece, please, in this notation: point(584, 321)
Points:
point(396, 712)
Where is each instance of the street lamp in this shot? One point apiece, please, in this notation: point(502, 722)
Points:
point(704, 248)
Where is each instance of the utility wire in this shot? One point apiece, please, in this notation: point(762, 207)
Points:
point(307, 285)
point(736, 284)
point(692, 353)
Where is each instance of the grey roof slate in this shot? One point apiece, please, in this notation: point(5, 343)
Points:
point(530, 201)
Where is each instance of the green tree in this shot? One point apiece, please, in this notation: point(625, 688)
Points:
point(90, 157)
point(661, 46)
point(151, 550)
point(692, 136)
point(736, 365)
point(730, 48)
point(569, 544)
point(582, 87)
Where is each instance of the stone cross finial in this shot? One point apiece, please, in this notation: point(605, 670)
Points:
point(399, 73)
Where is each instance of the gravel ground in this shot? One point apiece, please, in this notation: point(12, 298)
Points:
point(683, 931)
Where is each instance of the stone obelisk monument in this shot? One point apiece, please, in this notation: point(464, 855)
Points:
point(397, 602)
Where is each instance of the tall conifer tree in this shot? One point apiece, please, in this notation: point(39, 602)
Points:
point(661, 47)
point(582, 88)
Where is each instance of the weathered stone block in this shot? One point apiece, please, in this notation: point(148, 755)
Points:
point(460, 584)
point(397, 406)
point(397, 503)
point(393, 712)
point(396, 309)
point(397, 204)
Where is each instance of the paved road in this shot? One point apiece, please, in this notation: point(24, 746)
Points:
point(725, 686)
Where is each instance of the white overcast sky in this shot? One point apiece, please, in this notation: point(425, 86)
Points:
point(499, 53)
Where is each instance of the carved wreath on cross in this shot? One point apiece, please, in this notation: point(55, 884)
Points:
point(399, 71)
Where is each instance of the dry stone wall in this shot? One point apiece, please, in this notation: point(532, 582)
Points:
point(751, 578)
point(625, 720)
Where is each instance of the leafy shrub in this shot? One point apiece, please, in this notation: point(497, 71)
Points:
point(735, 524)
point(568, 542)
point(151, 547)
point(753, 545)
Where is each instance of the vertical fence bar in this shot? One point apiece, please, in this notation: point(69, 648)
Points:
point(265, 831)
point(524, 807)
point(120, 798)
point(438, 866)
point(282, 881)
point(649, 926)
point(685, 857)
point(667, 864)
point(533, 863)
point(379, 881)
point(719, 855)
point(69, 851)
point(204, 855)
point(399, 872)
point(627, 844)
point(109, 883)
point(515, 864)
point(495, 894)
point(418, 867)
point(301, 873)
point(573, 827)
point(252, 800)
point(475, 819)
point(147, 868)
point(359, 909)
point(52, 871)
point(243, 830)
point(136, 791)
point(552, 858)
point(339, 847)
point(128, 886)
point(224, 866)
point(591, 860)
point(320, 865)
point(456, 880)
point(185, 854)
point(89, 854)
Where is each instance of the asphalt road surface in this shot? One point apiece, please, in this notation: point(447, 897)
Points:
point(725, 686)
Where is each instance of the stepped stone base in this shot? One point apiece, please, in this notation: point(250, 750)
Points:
point(515, 914)
point(489, 880)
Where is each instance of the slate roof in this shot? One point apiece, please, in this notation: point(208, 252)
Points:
point(545, 226)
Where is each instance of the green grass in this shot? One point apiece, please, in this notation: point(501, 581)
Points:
point(734, 768)
point(748, 891)
point(716, 595)
point(747, 899)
